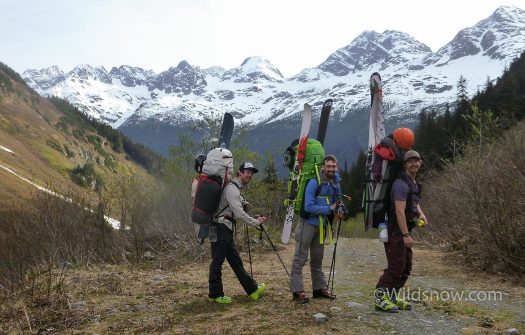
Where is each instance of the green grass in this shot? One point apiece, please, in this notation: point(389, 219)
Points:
point(355, 227)
point(486, 318)
point(56, 160)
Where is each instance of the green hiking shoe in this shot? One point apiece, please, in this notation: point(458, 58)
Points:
point(383, 302)
point(221, 300)
point(260, 289)
point(402, 304)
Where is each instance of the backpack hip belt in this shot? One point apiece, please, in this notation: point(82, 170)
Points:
point(226, 217)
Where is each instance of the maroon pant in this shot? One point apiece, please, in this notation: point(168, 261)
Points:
point(399, 260)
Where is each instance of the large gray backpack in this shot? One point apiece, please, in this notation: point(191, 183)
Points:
point(215, 172)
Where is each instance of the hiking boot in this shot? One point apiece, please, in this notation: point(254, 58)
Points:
point(221, 300)
point(260, 289)
point(402, 304)
point(383, 302)
point(323, 293)
point(300, 297)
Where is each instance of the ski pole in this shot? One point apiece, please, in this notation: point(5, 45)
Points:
point(331, 276)
point(249, 249)
point(275, 250)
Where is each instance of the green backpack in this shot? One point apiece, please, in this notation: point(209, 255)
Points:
point(313, 159)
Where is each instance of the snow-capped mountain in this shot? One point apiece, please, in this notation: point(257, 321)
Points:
point(371, 49)
point(45, 78)
point(131, 76)
point(146, 105)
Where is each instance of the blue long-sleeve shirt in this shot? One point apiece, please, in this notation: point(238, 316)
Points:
point(318, 205)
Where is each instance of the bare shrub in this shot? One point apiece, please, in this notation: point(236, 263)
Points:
point(52, 231)
point(476, 206)
point(155, 216)
point(266, 199)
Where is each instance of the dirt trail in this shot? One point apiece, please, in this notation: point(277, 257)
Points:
point(161, 299)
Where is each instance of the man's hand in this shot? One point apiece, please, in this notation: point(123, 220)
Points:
point(424, 218)
point(333, 206)
point(408, 241)
point(261, 219)
point(341, 212)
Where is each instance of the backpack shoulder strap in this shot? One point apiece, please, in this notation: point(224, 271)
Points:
point(318, 190)
point(227, 205)
point(411, 187)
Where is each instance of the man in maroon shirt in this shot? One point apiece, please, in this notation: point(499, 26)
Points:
point(403, 214)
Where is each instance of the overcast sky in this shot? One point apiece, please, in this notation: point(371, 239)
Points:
point(157, 34)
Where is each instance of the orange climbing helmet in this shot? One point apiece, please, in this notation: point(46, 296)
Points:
point(404, 138)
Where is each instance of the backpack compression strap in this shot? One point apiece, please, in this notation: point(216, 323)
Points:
point(328, 225)
point(321, 225)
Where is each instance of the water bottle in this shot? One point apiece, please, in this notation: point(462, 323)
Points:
point(212, 234)
point(383, 232)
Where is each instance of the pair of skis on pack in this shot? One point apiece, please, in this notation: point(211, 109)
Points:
point(299, 159)
point(376, 132)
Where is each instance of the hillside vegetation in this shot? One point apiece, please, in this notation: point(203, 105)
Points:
point(50, 142)
point(61, 176)
point(475, 179)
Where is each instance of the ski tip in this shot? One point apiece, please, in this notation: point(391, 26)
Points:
point(229, 117)
point(307, 109)
point(328, 102)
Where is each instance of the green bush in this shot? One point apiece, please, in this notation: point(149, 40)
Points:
point(55, 145)
point(86, 176)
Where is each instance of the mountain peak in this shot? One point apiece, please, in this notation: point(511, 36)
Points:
point(398, 41)
point(182, 79)
point(131, 76)
point(253, 69)
point(367, 35)
point(489, 37)
point(86, 72)
point(52, 71)
point(262, 65)
point(508, 13)
point(184, 65)
point(374, 51)
point(43, 78)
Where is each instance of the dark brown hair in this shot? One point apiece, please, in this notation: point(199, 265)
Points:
point(329, 158)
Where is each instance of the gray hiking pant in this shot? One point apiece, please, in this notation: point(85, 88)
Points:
point(307, 238)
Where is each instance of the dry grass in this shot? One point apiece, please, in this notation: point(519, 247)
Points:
point(154, 297)
point(163, 296)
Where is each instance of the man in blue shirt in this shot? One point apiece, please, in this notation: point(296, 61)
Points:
point(320, 201)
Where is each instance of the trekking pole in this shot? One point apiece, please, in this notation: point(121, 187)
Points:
point(275, 250)
point(249, 249)
point(331, 276)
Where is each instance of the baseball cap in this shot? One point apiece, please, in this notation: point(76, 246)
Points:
point(411, 154)
point(248, 165)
